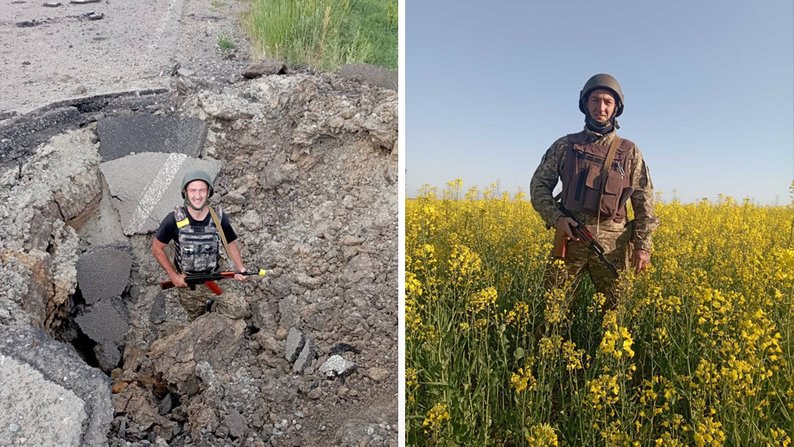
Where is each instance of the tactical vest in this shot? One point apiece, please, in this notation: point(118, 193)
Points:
point(582, 178)
point(197, 247)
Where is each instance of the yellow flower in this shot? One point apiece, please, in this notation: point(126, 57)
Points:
point(482, 300)
point(519, 315)
point(721, 292)
point(549, 347)
point(542, 435)
point(411, 380)
point(413, 322)
point(780, 437)
point(464, 263)
point(436, 417)
point(709, 433)
point(603, 391)
point(523, 379)
point(519, 380)
point(413, 287)
point(572, 356)
point(617, 340)
point(556, 305)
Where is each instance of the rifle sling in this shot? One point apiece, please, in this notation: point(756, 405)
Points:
point(220, 231)
point(613, 149)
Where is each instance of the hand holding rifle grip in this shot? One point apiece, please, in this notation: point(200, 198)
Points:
point(581, 232)
point(209, 279)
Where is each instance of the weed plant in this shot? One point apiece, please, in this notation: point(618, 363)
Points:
point(225, 43)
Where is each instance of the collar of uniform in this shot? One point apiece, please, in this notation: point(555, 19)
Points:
point(595, 137)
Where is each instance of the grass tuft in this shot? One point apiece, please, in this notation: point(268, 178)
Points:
point(326, 33)
point(225, 43)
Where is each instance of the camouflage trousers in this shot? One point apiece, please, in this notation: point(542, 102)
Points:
point(230, 303)
point(579, 259)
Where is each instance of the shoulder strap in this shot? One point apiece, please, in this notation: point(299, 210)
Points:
point(180, 217)
point(217, 221)
point(613, 148)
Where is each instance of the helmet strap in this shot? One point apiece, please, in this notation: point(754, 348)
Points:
point(189, 204)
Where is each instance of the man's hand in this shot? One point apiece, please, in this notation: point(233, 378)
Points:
point(640, 260)
point(178, 279)
point(564, 224)
point(237, 261)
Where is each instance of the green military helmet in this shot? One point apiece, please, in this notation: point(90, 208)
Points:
point(605, 81)
point(197, 174)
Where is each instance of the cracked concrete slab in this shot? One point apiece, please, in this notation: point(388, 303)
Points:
point(103, 273)
point(54, 417)
point(122, 135)
point(145, 187)
point(48, 395)
point(103, 323)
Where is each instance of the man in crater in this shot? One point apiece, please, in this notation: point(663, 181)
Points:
point(198, 231)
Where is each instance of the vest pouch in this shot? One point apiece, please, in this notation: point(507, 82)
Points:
point(611, 198)
point(198, 250)
point(591, 190)
point(187, 256)
point(207, 260)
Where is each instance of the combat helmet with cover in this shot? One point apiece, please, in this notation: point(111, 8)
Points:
point(197, 174)
point(604, 81)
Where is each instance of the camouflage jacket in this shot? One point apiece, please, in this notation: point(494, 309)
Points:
point(548, 174)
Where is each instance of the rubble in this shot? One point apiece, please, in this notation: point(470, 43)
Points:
point(306, 356)
point(295, 342)
point(263, 68)
point(336, 366)
point(311, 190)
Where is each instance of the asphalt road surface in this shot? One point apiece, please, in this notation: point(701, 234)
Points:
point(80, 49)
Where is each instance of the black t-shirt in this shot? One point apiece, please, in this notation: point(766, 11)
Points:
point(169, 232)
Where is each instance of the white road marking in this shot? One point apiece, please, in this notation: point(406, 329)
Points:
point(154, 191)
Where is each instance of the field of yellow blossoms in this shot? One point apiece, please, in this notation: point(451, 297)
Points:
point(700, 350)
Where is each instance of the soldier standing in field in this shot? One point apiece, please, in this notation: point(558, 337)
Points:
point(198, 231)
point(596, 190)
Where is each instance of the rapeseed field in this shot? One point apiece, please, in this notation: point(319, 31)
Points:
point(699, 351)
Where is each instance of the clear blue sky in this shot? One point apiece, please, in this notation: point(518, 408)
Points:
point(709, 89)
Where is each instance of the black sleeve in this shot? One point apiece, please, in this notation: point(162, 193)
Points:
point(167, 231)
point(228, 231)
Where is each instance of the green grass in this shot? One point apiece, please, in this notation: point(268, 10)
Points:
point(225, 43)
point(325, 34)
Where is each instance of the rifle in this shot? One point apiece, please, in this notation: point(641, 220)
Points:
point(583, 234)
point(208, 279)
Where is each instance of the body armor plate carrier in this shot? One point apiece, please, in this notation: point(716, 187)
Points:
point(197, 247)
point(582, 178)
